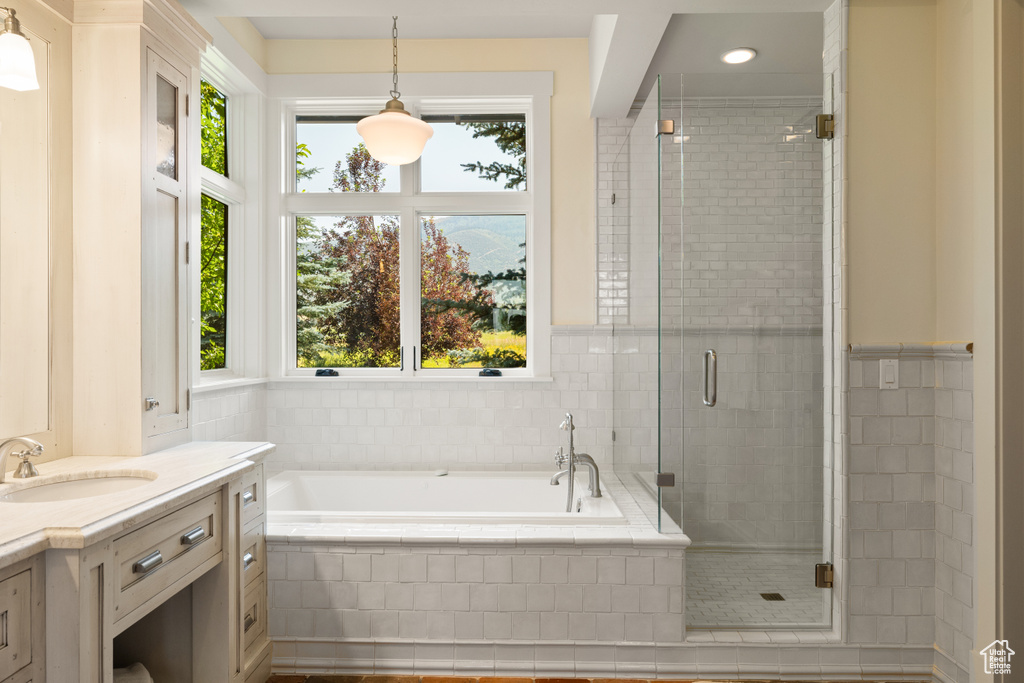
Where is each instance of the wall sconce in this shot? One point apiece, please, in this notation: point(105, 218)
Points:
point(394, 136)
point(17, 65)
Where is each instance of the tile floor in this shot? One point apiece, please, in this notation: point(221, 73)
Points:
point(723, 589)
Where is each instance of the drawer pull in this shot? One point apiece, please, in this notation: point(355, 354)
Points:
point(148, 563)
point(249, 621)
point(247, 560)
point(247, 498)
point(194, 536)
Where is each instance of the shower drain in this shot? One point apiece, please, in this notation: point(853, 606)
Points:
point(772, 597)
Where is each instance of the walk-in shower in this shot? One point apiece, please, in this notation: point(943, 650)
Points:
point(711, 274)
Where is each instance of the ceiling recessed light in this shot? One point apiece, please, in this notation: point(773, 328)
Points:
point(739, 56)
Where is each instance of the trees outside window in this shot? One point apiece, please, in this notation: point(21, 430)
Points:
point(472, 308)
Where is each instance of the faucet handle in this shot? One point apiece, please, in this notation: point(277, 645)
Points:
point(25, 468)
point(560, 458)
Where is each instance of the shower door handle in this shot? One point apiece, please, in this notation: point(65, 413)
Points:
point(710, 378)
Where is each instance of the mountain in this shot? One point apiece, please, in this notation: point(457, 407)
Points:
point(492, 241)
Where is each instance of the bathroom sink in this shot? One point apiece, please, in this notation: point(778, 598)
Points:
point(81, 485)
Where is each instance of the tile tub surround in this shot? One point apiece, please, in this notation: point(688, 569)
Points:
point(339, 585)
point(476, 424)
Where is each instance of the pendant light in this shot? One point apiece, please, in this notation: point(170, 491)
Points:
point(394, 136)
point(17, 65)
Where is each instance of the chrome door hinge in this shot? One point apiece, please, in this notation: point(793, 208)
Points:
point(826, 126)
point(823, 575)
point(665, 479)
point(666, 127)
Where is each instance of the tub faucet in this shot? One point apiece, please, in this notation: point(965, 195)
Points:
point(25, 469)
point(570, 460)
point(595, 475)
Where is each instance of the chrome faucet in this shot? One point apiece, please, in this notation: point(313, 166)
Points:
point(595, 475)
point(25, 468)
point(570, 461)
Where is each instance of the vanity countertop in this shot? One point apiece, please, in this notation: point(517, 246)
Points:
point(182, 472)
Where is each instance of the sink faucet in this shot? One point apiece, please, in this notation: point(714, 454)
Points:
point(570, 461)
point(25, 469)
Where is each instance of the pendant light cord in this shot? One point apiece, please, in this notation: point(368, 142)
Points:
point(394, 45)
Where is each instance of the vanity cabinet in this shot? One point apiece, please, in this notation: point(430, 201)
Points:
point(254, 644)
point(136, 191)
point(23, 619)
point(182, 591)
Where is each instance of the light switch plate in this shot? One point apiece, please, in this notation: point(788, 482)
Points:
point(889, 373)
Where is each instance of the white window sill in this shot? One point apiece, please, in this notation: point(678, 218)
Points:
point(229, 382)
point(346, 379)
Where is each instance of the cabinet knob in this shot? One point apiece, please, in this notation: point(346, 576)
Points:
point(247, 498)
point(151, 403)
point(247, 560)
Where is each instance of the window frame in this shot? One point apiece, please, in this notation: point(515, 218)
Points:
point(240, 192)
point(410, 205)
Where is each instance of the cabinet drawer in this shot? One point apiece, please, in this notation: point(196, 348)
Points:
point(252, 495)
point(253, 553)
point(254, 619)
point(16, 615)
point(150, 559)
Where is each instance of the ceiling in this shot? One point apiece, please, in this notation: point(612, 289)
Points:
point(631, 41)
point(788, 61)
point(423, 26)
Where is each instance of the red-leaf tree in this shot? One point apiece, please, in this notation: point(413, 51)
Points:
point(367, 323)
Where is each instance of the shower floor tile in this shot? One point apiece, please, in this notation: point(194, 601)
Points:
point(723, 589)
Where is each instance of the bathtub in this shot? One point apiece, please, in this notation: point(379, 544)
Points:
point(309, 497)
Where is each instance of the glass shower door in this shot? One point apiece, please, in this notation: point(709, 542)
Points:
point(752, 360)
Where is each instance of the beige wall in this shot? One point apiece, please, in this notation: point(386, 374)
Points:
point(891, 170)
point(910, 199)
point(954, 172)
point(572, 137)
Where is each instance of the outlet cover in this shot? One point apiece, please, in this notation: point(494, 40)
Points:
point(889, 373)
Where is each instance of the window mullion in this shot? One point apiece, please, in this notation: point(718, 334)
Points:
point(409, 250)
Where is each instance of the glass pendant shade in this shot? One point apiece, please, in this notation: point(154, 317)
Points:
point(17, 64)
point(394, 136)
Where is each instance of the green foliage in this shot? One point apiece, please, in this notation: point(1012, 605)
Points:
point(487, 357)
point(213, 281)
point(301, 154)
point(214, 127)
point(213, 269)
point(510, 137)
point(348, 283)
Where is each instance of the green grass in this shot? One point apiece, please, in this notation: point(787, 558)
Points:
point(490, 342)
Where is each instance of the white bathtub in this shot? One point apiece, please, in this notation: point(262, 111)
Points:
point(303, 497)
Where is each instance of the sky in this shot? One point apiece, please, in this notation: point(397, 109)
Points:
point(450, 146)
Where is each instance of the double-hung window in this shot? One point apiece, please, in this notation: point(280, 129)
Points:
point(218, 251)
point(421, 270)
point(215, 208)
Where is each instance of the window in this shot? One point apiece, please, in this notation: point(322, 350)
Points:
point(224, 248)
point(213, 256)
point(417, 270)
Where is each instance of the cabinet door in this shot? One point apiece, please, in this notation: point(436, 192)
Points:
point(164, 235)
